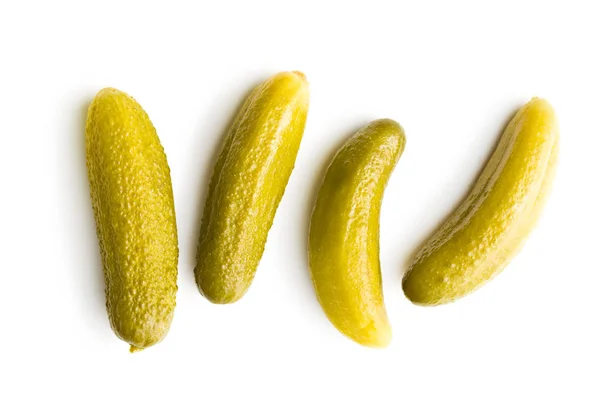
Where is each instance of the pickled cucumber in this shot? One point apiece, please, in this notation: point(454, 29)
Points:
point(133, 206)
point(492, 224)
point(344, 233)
point(247, 184)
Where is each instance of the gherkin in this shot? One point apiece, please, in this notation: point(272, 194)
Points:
point(344, 233)
point(489, 228)
point(247, 184)
point(133, 206)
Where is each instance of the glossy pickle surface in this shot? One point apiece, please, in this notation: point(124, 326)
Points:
point(247, 184)
point(486, 231)
point(344, 233)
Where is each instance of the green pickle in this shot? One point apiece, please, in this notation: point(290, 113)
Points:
point(132, 198)
point(489, 228)
point(247, 184)
point(344, 233)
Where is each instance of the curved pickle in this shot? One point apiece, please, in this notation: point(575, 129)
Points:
point(248, 182)
point(130, 185)
point(491, 225)
point(344, 233)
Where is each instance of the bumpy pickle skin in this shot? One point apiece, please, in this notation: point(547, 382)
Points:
point(344, 233)
point(489, 228)
point(132, 198)
point(247, 184)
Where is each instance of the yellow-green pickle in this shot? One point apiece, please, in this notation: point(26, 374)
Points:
point(344, 233)
point(132, 197)
point(247, 184)
point(486, 231)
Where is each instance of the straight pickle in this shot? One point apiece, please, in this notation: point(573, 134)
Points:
point(247, 184)
point(132, 197)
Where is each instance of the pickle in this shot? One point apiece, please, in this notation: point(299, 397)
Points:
point(131, 192)
point(247, 184)
point(344, 233)
point(487, 230)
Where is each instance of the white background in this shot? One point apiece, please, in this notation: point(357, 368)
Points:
point(451, 72)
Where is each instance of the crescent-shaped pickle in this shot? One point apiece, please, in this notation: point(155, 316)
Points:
point(344, 233)
point(486, 231)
